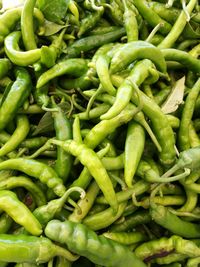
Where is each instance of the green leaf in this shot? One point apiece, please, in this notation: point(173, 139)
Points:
point(52, 28)
point(53, 10)
point(45, 125)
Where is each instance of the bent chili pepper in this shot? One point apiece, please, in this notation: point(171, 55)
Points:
point(89, 159)
point(36, 169)
point(19, 212)
point(80, 239)
point(20, 58)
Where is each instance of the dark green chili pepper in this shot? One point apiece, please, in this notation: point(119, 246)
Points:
point(162, 216)
point(30, 249)
point(19, 212)
point(20, 58)
point(88, 43)
point(18, 135)
point(131, 221)
point(36, 169)
point(135, 50)
point(33, 143)
point(80, 239)
point(22, 181)
point(16, 96)
point(63, 130)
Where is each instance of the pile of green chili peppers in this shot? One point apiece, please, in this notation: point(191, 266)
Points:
point(100, 134)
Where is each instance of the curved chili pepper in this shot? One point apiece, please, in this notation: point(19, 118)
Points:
point(22, 181)
point(131, 51)
point(20, 58)
point(36, 169)
point(125, 238)
point(19, 212)
point(89, 159)
point(17, 137)
point(10, 17)
point(75, 236)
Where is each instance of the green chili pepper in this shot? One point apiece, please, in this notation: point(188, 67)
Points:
point(134, 146)
point(131, 51)
point(5, 223)
point(75, 236)
point(125, 238)
point(173, 223)
point(32, 249)
point(18, 57)
point(63, 132)
point(16, 96)
point(21, 181)
point(18, 136)
point(88, 43)
point(74, 67)
point(19, 212)
point(164, 246)
point(10, 17)
point(27, 25)
point(89, 159)
point(38, 170)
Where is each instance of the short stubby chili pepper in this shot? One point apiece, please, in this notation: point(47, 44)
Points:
point(135, 50)
point(18, 57)
point(36, 169)
point(19, 212)
point(32, 249)
point(18, 93)
point(100, 250)
point(162, 247)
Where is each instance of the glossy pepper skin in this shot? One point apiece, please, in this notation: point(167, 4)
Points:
point(80, 239)
point(16, 96)
point(31, 249)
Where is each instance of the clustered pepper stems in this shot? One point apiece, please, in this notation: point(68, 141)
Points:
point(99, 142)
